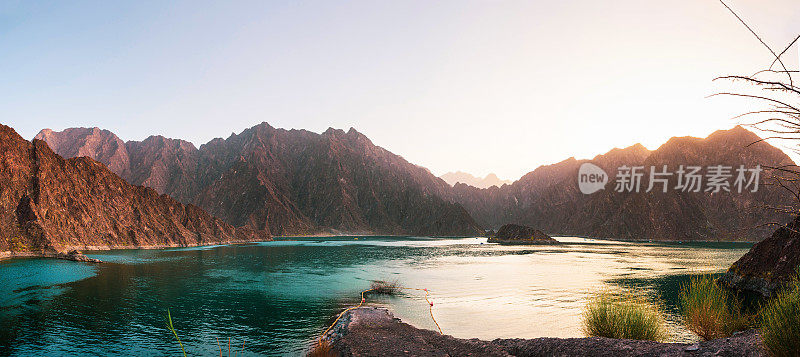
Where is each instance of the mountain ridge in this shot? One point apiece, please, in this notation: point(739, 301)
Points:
point(291, 182)
point(56, 204)
point(549, 198)
point(489, 180)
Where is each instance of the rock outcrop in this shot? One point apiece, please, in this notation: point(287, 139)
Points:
point(770, 264)
point(291, 181)
point(76, 256)
point(549, 197)
point(517, 234)
point(51, 204)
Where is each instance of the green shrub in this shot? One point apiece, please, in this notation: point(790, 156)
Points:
point(15, 244)
point(623, 316)
point(711, 311)
point(780, 322)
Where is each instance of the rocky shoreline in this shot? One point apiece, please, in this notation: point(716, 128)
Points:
point(65, 252)
point(371, 331)
point(73, 255)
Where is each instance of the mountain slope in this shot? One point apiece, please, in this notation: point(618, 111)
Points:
point(292, 181)
point(50, 203)
point(549, 197)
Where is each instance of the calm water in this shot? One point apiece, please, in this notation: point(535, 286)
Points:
point(275, 297)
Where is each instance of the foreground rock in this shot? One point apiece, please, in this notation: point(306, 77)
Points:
point(517, 234)
point(370, 331)
point(52, 205)
point(769, 264)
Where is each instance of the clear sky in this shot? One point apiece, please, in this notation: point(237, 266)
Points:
point(476, 86)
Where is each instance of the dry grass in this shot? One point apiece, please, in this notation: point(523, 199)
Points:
point(711, 311)
point(623, 316)
point(385, 287)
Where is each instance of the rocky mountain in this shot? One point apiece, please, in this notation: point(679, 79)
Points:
point(298, 182)
point(53, 204)
point(490, 180)
point(549, 197)
point(285, 181)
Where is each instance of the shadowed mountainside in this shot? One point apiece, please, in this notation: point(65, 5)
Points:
point(54, 204)
point(549, 198)
point(296, 182)
point(284, 181)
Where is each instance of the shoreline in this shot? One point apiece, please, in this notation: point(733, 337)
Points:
point(4, 255)
point(374, 331)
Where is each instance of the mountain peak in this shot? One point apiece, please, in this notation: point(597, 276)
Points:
point(452, 178)
point(737, 133)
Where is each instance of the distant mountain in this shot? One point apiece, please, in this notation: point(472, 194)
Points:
point(490, 180)
point(549, 198)
point(53, 204)
point(283, 181)
point(298, 182)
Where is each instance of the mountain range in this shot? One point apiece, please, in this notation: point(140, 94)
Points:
point(549, 197)
point(286, 182)
point(291, 182)
point(52, 204)
point(490, 180)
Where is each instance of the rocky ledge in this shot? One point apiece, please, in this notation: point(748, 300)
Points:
point(517, 234)
point(370, 331)
point(769, 264)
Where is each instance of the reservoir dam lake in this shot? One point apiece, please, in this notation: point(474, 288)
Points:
point(277, 297)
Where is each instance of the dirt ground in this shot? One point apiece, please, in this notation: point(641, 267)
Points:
point(370, 331)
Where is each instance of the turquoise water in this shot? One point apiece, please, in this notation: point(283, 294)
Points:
point(276, 297)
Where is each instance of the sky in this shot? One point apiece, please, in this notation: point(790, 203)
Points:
point(476, 86)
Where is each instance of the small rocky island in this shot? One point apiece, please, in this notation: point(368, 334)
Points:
point(518, 234)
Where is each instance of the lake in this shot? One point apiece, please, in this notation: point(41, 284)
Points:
point(277, 297)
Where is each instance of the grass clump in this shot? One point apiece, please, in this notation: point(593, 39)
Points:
point(385, 287)
point(780, 321)
point(623, 316)
point(711, 311)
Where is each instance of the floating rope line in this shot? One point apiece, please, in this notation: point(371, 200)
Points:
point(363, 300)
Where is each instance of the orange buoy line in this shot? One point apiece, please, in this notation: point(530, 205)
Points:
point(363, 300)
